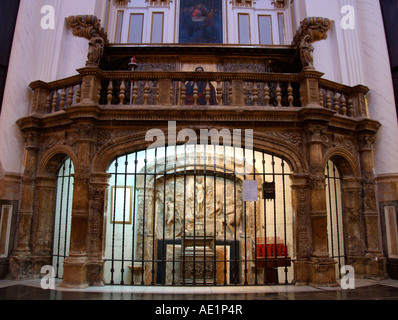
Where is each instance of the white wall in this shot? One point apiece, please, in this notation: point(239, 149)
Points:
point(38, 54)
point(377, 76)
point(359, 56)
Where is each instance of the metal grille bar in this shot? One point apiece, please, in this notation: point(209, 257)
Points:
point(178, 217)
point(62, 216)
point(335, 221)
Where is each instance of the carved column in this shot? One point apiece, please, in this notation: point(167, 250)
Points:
point(374, 260)
point(75, 266)
point(44, 223)
point(20, 264)
point(353, 240)
point(98, 192)
point(322, 266)
point(301, 207)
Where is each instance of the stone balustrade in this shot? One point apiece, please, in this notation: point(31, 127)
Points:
point(268, 90)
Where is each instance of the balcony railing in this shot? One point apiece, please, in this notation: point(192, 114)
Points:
point(131, 89)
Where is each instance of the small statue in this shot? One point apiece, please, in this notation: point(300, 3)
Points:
point(95, 51)
point(306, 52)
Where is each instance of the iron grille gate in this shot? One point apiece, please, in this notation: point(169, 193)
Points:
point(335, 218)
point(176, 215)
point(62, 217)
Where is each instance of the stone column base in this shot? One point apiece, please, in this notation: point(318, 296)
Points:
point(20, 267)
point(75, 273)
point(315, 272)
point(370, 267)
point(95, 273)
point(37, 263)
point(81, 273)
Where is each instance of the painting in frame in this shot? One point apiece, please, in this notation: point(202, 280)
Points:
point(200, 21)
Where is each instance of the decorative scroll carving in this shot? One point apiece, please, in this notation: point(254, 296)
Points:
point(311, 30)
point(89, 27)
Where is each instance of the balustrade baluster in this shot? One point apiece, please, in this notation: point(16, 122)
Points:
point(172, 93)
point(78, 93)
point(183, 93)
point(290, 94)
point(255, 93)
point(146, 91)
point(207, 93)
point(70, 97)
point(278, 95)
point(321, 101)
point(219, 92)
point(54, 101)
point(195, 93)
point(122, 93)
point(343, 105)
point(62, 100)
point(110, 92)
point(328, 100)
point(135, 92)
point(266, 94)
point(48, 102)
point(301, 96)
point(99, 94)
point(350, 108)
point(336, 101)
point(230, 91)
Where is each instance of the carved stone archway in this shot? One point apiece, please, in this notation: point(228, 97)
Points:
point(36, 244)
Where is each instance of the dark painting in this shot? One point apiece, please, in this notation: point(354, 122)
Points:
point(200, 21)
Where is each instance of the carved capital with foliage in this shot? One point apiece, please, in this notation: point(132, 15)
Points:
point(315, 133)
point(366, 142)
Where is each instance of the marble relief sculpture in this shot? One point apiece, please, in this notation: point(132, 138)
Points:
point(203, 207)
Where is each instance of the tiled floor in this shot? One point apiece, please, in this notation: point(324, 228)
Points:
point(27, 298)
point(364, 290)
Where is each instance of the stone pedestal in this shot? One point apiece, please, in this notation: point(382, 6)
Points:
point(75, 273)
point(197, 256)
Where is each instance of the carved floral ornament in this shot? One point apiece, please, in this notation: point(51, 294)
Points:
point(311, 29)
